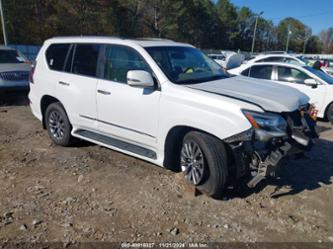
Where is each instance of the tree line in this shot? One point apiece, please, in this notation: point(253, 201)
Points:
point(203, 23)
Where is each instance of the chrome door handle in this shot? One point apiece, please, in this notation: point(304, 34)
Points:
point(103, 92)
point(63, 83)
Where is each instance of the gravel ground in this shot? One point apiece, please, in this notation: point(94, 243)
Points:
point(89, 193)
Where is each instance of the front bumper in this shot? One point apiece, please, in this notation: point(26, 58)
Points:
point(13, 86)
point(258, 153)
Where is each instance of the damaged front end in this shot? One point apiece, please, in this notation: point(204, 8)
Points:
point(273, 137)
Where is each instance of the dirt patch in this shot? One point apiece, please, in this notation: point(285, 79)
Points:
point(88, 193)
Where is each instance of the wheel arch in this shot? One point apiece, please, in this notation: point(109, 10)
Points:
point(46, 100)
point(326, 109)
point(173, 143)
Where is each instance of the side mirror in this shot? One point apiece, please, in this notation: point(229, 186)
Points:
point(139, 78)
point(311, 82)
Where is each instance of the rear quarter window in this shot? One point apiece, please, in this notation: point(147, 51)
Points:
point(245, 72)
point(56, 55)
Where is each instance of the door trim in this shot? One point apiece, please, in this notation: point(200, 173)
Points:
point(118, 126)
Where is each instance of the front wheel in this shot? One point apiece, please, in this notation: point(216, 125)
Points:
point(203, 161)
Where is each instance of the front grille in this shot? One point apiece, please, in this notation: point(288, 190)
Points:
point(15, 75)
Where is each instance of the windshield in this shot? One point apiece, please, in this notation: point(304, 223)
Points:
point(186, 65)
point(324, 76)
point(11, 56)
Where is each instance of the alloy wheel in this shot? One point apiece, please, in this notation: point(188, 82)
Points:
point(192, 162)
point(56, 125)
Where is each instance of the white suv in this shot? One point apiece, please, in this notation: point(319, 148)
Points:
point(169, 104)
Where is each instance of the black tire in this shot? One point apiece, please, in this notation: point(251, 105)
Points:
point(58, 125)
point(329, 113)
point(215, 170)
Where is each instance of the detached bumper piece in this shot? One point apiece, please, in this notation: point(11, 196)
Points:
point(259, 152)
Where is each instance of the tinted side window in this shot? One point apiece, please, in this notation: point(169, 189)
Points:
point(69, 59)
point(119, 60)
point(56, 55)
point(292, 61)
point(245, 72)
point(272, 59)
point(292, 75)
point(85, 59)
point(261, 72)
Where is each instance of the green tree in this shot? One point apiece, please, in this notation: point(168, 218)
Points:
point(313, 45)
point(203, 23)
point(326, 37)
point(228, 15)
point(299, 32)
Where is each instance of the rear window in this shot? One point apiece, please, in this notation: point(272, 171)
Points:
point(261, 72)
point(272, 59)
point(56, 55)
point(11, 56)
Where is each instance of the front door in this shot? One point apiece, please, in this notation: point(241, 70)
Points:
point(126, 112)
point(295, 78)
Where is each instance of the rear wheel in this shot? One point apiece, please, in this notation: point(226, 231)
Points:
point(58, 125)
point(203, 161)
point(329, 113)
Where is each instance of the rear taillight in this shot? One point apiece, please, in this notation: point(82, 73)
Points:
point(31, 74)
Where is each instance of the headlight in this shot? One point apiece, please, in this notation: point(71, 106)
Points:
point(266, 121)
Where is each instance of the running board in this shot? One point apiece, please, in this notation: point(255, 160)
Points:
point(136, 149)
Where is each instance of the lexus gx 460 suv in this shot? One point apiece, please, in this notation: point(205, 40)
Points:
point(169, 104)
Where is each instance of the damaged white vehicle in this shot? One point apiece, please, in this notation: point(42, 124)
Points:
point(169, 104)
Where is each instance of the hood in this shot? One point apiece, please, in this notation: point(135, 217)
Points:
point(5, 67)
point(268, 95)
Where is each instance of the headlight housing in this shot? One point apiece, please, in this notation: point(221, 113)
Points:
point(266, 121)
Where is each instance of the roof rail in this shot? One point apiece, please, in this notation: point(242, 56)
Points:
point(151, 39)
point(274, 52)
point(86, 36)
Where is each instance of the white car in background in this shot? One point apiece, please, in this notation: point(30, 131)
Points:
point(14, 70)
point(328, 67)
point(315, 83)
point(218, 58)
point(328, 70)
point(285, 58)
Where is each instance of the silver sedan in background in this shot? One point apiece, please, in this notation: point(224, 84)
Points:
point(14, 70)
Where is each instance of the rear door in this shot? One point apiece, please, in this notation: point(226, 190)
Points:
point(261, 72)
point(55, 56)
point(295, 78)
point(76, 86)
